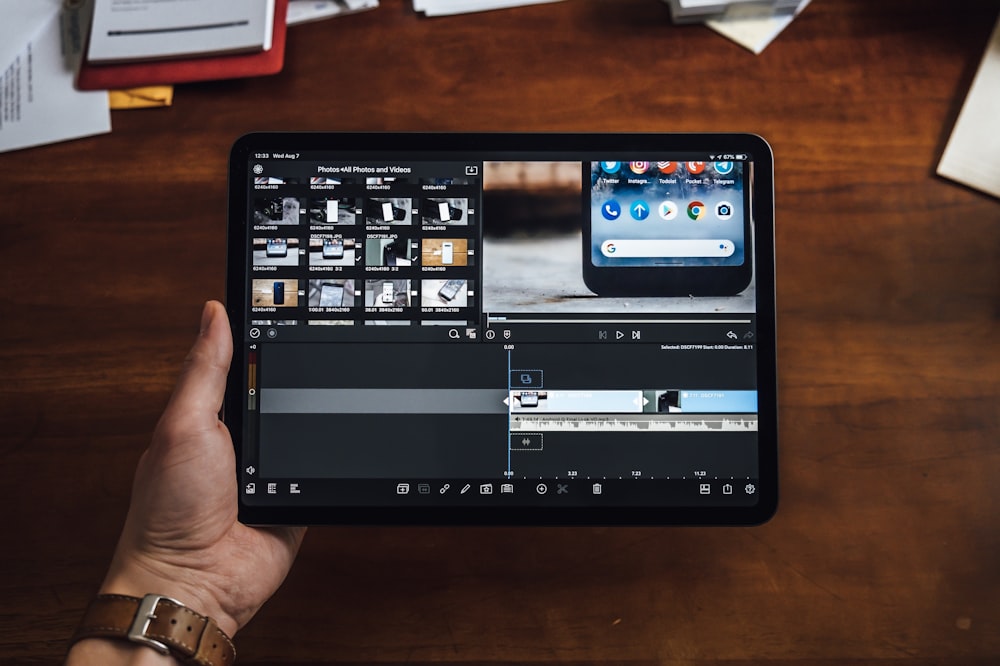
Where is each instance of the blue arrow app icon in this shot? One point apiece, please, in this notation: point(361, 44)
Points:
point(639, 210)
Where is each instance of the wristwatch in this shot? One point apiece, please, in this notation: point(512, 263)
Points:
point(159, 622)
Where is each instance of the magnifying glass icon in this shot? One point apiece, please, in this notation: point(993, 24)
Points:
point(453, 334)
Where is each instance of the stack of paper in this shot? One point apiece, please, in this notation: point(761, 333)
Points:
point(146, 42)
point(448, 7)
point(123, 31)
point(752, 24)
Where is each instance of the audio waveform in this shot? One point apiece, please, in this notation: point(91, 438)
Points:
point(637, 423)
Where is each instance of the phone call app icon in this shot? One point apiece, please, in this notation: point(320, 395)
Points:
point(696, 210)
point(695, 167)
point(667, 168)
point(611, 210)
point(668, 210)
point(610, 167)
point(638, 167)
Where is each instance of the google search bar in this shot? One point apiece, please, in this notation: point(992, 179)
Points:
point(633, 249)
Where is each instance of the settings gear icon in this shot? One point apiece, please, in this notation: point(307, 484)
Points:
point(750, 489)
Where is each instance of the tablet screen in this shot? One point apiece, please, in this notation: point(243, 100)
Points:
point(490, 328)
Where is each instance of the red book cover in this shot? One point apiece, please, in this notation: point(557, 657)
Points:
point(212, 68)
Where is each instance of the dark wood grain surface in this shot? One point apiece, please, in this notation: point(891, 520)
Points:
point(886, 546)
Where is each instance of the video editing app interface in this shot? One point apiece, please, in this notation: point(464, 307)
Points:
point(419, 331)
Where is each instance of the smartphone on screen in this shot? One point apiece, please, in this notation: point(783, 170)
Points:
point(450, 289)
point(668, 228)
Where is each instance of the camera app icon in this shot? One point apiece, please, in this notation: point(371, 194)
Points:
point(724, 210)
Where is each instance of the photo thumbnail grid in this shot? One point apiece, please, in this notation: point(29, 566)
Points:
point(343, 255)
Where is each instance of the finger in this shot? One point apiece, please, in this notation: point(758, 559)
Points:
point(202, 385)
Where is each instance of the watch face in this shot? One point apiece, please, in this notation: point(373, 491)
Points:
point(504, 329)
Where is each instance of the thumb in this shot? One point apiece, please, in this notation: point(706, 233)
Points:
point(200, 390)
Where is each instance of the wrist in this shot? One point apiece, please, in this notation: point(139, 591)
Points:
point(133, 576)
point(114, 653)
point(160, 623)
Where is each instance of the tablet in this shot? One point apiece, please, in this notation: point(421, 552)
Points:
point(579, 329)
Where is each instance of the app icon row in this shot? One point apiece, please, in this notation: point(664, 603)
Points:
point(667, 210)
point(667, 168)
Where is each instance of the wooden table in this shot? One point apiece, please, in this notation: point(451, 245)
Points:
point(886, 547)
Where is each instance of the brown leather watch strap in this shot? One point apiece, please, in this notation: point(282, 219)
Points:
point(161, 623)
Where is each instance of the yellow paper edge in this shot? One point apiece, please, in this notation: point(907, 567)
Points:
point(141, 98)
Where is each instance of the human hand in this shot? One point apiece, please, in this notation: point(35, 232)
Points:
point(182, 538)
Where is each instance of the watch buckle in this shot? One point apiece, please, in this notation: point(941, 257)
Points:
point(143, 617)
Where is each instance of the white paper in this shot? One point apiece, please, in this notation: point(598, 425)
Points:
point(751, 29)
point(448, 7)
point(38, 103)
point(21, 21)
point(301, 11)
point(131, 30)
point(972, 155)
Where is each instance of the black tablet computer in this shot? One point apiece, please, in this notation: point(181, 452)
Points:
point(530, 329)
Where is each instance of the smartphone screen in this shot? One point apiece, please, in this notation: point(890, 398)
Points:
point(331, 295)
point(333, 248)
point(674, 214)
point(277, 247)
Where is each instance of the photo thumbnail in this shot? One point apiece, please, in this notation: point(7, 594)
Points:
point(445, 252)
point(327, 180)
point(331, 250)
point(444, 293)
point(274, 180)
point(277, 210)
point(445, 180)
point(395, 211)
point(444, 211)
point(390, 251)
point(332, 210)
point(275, 293)
point(387, 293)
point(331, 293)
point(275, 251)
